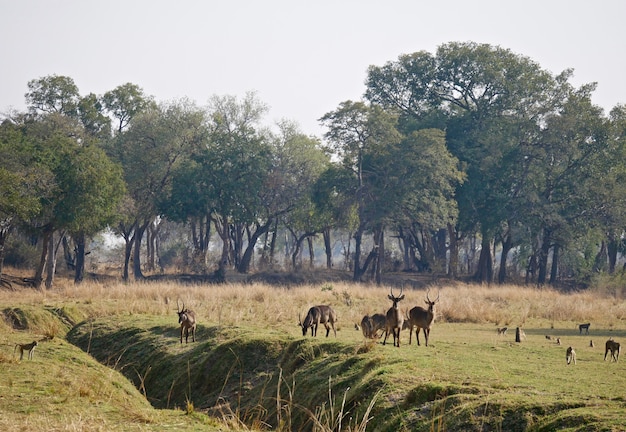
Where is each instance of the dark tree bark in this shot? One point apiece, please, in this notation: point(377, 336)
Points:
point(507, 245)
point(79, 239)
point(484, 272)
point(328, 248)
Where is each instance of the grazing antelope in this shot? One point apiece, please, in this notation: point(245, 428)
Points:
point(187, 321)
point(423, 318)
point(366, 326)
point(26, 347)
point(582, 327)
point(615, 349)
point(394, 319)
point(570, 355)
point(321, 314)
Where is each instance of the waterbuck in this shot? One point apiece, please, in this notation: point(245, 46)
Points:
point(394, 319)
point(320, 314)
point(187, 321)
point(421, 318)
point(372, 324)
point(614, 348)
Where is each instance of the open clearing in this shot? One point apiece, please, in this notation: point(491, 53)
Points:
point(115, 354)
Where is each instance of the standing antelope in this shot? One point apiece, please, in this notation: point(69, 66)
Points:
point(187, 321)
point(394, 319)
point(423, 318)
point(615, 349)
point(321, 314)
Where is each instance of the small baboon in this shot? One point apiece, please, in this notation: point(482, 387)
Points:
point(26, 347)
point(615, 349)
point(548, 337)
point(558, 341)
point(502, 331)
point(570, 355)
point(591, 345)
point(582, 327)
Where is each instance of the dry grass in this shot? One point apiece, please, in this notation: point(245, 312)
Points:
point(271, 306)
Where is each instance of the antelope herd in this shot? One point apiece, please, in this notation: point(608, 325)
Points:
point(378, 325)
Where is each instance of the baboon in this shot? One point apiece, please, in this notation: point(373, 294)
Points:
point(558, 341)
point(548, 337)
point(591, 345)
point(502, 331)
point(582, 327)
point(321, 314)
point(26, 347)
point(615, 349)
point(570, 355)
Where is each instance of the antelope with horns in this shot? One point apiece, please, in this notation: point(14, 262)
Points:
point(321, 314)
point(187, 321)
point(394, 319)
point(422, 319)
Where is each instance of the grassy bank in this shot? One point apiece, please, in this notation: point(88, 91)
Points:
point(251, 363)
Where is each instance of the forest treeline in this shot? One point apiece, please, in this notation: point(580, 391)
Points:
point(469, 150)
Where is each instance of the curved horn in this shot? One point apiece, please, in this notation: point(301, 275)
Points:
point(178, 305)
point(427, 297)
point(438, 292)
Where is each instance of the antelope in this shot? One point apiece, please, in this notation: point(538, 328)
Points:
point(423, 319)
point(366, 326)
point(187, 321)
point(615, 349)
point(394, 319)
point(582, 327)
point(321, 314)
point(371, 324)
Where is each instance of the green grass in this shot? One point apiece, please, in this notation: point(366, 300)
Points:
point(116, 355)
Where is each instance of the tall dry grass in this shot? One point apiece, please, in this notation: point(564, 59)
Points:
point(271, 306)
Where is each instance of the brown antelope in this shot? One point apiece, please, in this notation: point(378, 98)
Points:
point(394, 319)
point(421, 318)
point(321, 314)
point(187, 321)
point(615, 349)
point(367, 326)
point(582, 327)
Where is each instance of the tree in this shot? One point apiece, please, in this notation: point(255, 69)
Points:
point(125, 102)
point(356, 133)
point(53, 94)
point(490, 102)
point(156, 143)
point(24, 182)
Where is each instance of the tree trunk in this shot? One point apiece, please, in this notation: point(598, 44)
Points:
point(612, 249)
point(246, 259)
point(309, 241)
point(381, 256)
point(453, 263)
point(555, 264)
point(507, 245)
point(543, 257)
point(358, 238)
point(80, 257)
point(328, 248)
point(38, 279)
point(137, 251)
point(484, 272)
point(51, 268)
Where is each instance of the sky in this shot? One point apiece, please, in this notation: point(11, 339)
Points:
point(302, 58)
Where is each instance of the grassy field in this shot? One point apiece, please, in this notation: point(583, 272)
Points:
point(115, 354)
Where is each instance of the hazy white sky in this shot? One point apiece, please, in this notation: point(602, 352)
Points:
point(301, 57)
